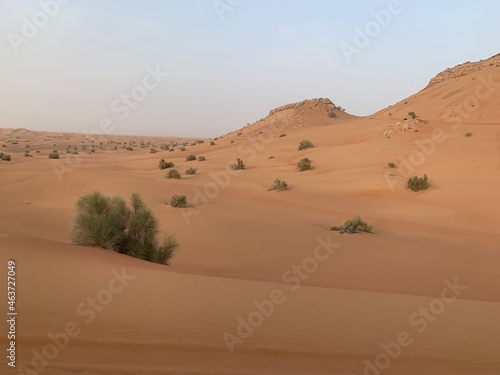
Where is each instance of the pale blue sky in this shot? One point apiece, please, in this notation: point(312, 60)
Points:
point(225, 72)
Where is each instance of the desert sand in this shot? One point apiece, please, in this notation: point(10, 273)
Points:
point(239, 245)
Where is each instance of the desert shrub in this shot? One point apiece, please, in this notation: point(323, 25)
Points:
point(200, 141)
point(468, 134)
point(418, 183)
point(279, 185)
point(354, 225)
point(304, 164)
point(107, 222)
point(332, 114)
point(182, 148)
point(282, 135)
point(184, 143)
point(128, 148)
point(173, 173)
point(178, 201)
point(391, 165)
point(212, 143)
point(412, 115)
point(162, 164)
point(190, 157)
point(4, 145)
point(191, 171)
point(238, 165)
point(232, 141)
point(201, 158)
point(27, 154)
point(5, 157)
point(239, 134)
point(54, 155)
point(305, 143)
point(164, 146)
point(153, 151)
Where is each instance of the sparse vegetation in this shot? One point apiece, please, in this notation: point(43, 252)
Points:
point(182, 148)
point(282, 135)
point(178, 201)
point(107, 222)
point(304, 144)
point(238, 165)
point(190, 157)
point(153, 151)
point(412, 115)
point(391, 165)
point(191, 171)
point(418, 183)
point(201, 158)
point(304, 164)
point(162, 164)
point(129, 148)
point(332, 114)
point(212, 143)
point(354, 225)
point(239, 134)
point(279, 185)
point(173, 174)
point(4, 157)
point(468, 134)
point(54, 155)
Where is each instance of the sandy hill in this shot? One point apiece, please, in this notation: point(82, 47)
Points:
point(305, 114)
point(240, 243)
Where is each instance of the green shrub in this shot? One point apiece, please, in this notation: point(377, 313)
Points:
point(468, 134)
point(190, 157)
point(201, 158)
point(191, 171)
point(238, 165)
point(162, 164)
point(153, 151)
point(354, 225)
point(305, 143)
point(107, 222)
point(164, 146)
point(212, 143)
point(282, 135)
point(412, 115)
point(5, 157)
point(178, 201)
point(182, 148)
point(391, 165)
point(173, 173)
point(54, 155)
point(279, 185)
point(418, 183)
point(304, 164)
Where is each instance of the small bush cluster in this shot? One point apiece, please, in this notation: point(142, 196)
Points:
point(354, 225)
point(212, 143)
point(304, 164)
point(201, 158)
point(173, 174)
point(191, 171)
point(412, 115)
point(4, 157)
point(418, 183)
point(238, 165)
point(178, 201)
point(190, 157)
point(162, 164)
point(304, 144)
point(153, 151)
point(107, 222)
point(391, 165)
point(54, 155)
point(279, 185)
point(468, 134)
point(282, 135)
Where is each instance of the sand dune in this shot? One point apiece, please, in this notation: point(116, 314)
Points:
point(240, 243)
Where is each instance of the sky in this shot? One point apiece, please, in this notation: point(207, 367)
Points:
point(202, 68)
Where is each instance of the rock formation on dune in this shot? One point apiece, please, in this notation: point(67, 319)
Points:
point(464, 69)
point(305, 114)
